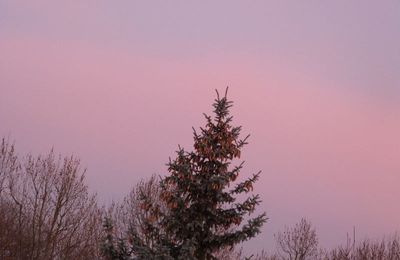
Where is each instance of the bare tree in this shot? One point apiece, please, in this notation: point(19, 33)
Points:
point(299, 242)
point(139, 208)
point(263, 255)
point(9, 165)
point(48, 211)
point(8, 162)
point(132, 227)
point(387, 249)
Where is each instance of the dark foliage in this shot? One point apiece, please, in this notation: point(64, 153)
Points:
point(203, 213)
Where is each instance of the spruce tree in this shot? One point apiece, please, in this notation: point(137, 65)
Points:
point(203, 214)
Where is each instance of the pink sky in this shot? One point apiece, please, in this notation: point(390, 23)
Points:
point(316, 84)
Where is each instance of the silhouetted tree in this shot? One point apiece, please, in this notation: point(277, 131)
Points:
point(387, 249)
point(299, 242)
point(132, 228)
point(9, 165)
point(195, 213)
point(46, 209)
point(202, 206)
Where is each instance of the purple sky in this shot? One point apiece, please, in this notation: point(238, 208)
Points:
point(316, 83)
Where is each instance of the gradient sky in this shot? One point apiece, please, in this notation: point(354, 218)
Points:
point(121, 83)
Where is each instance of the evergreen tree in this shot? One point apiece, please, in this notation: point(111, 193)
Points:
point(194, 213)
point(203, 213)
point(111, 249)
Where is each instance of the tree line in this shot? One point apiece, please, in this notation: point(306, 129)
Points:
point(202, 209)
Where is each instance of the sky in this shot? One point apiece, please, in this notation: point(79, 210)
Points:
point(120, 84)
